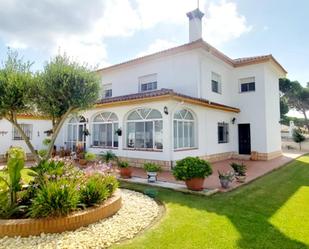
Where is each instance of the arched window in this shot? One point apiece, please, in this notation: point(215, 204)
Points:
point(184, 130)
point(76, 132)
point(145, 129)
point(103, 130)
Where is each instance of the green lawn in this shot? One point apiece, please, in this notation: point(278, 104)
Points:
point(272, 212)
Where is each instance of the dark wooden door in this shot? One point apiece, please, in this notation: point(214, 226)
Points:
point(244, 139)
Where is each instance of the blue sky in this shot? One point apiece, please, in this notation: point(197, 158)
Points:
point(112, 31)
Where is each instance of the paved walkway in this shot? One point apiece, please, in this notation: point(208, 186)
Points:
point(255, 169)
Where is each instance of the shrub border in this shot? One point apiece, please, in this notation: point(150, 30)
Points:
point(27, 227)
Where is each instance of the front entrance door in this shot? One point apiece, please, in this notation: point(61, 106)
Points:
point(244, 139)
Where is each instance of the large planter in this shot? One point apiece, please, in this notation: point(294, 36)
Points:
point(241, 179)
point(195, 184)
point(27, 227)
point(125, 172)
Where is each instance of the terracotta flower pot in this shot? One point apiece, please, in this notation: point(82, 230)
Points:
point(82, 162)
point(195, 184)
point(125, 172)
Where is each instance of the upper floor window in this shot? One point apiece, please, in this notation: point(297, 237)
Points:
point(247, 84)
point(145, 129)
point(215, 82)
point(107, 91)
point(28, 130)
point(104, 128)
point(223, 133)
point(148, 83)
point(184, 132)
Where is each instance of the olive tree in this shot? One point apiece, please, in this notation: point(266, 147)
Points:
point(16, 80)
point(62, 88)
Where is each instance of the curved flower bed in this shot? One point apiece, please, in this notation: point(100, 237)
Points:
point(27, 227)
point(137, 213)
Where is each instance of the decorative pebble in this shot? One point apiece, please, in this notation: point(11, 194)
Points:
point(136, 213)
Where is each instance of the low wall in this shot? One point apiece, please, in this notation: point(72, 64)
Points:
point(27, 227)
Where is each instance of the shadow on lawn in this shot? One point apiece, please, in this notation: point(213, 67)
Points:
point(249, 208)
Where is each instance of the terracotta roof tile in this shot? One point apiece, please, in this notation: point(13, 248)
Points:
point(193, 45)
point(166, 92)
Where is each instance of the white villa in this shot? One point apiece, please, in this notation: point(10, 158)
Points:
point(190, 100)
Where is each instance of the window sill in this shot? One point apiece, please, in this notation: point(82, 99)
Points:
point(104, 147)
point(146, 150)
point(185, 149)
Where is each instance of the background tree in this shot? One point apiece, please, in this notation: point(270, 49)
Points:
point(296, 95)
point(62, 88)
point(284, 107)
point(298, 137)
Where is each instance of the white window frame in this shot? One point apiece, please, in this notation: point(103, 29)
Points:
point(246, 80)
point(16, 135)
point(107, 87)
point(216, 78)
point(144, 120)
point(105, 122)
point(148, 80)
point(226, 134)
point(183, 120)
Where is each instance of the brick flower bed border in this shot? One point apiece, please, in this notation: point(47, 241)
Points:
point(27, 227)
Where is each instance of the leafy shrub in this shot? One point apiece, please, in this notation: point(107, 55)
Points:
point(94, 191)
point(46, 141)
point(89, 156)
point(54, 198)
point(123, 164)
point(42, 153)
point(50, 168)
point(152, 167)
point(16, 153)
point(229, 175)
point(108, 156)
point(191, 167)
point(240, 169)
point(111, 184)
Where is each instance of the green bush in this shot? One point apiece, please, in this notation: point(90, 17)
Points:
point(16, 153)
point(191, 167)
point(109, 156)
point(42, 153)
point(240, 169)
point(152, 167)
point(54, 198)
point(111, 184)
point(46, 141)
point(94, 191)
point(123, 164)
point(89, 156)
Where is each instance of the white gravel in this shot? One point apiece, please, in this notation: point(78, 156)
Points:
point(137, 212)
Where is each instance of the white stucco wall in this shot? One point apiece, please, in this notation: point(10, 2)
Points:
point(38, 135)
point(178, 72)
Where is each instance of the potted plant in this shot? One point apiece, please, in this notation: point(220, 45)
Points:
point(118, 132)
point(193, 171)
point(240, 171)
point(108, 157)
point(152, 170)
point(226, 178)
point(125, 169)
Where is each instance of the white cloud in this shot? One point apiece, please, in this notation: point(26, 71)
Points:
point(81, 29)
point(223, 23)
point(158, 45)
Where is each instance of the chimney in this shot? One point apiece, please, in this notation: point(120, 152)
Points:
point(195, 24)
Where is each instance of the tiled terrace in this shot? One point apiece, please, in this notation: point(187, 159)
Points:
point(255, 169)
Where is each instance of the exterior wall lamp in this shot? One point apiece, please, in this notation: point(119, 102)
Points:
point(166, 110)
point(233, 120)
